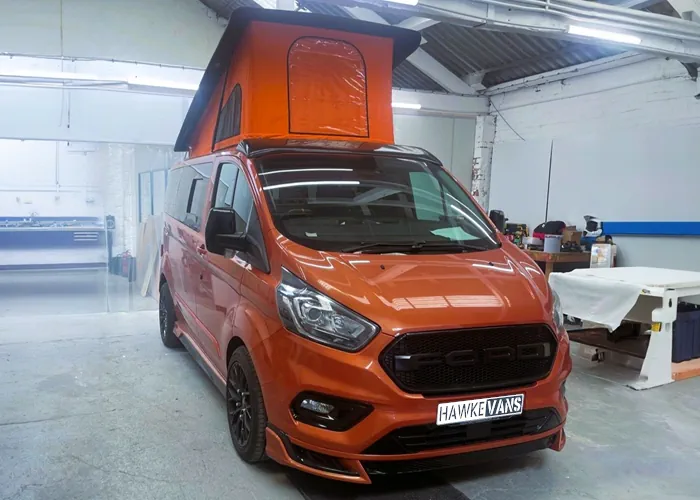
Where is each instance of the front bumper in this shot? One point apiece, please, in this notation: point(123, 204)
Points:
point(288, 365)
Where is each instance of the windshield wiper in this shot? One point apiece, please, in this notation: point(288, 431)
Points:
point(447, 245)
point(382, 247)
point(415, 247)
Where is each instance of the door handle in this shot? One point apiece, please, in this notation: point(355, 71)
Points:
point(202, 250)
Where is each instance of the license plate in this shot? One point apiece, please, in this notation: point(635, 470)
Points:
point(476, 410)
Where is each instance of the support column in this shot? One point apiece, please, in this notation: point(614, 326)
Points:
point(483, 153)
point(286, 4)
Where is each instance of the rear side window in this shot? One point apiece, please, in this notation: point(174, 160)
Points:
point(187, 204)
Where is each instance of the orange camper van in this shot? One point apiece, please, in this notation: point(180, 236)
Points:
point(358, 310)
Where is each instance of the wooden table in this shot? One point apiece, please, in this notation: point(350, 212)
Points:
point(551, 259)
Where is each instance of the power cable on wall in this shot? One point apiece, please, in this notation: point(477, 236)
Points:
point(504, 119)
point(549, 181)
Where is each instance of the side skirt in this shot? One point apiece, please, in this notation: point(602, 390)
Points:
point(199, 358)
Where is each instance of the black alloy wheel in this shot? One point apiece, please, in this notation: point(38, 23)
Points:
point(240, 413)
point(247, 418)
point(166, 318)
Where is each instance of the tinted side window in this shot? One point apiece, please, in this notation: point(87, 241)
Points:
point(233, 192)
point(171, 191)
point(225, 186)
point(229, 123)
point(242, 203)
point(191, 194)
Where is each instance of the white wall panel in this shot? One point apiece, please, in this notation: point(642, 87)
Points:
point(90, 115)
point(519, 173)
point(640, 175)
point(451, 140)
point(654, 93)
point(463, 150)
point(125, 117)
point(626, 147)
point(178, 32)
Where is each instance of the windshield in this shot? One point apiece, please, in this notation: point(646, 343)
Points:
point(351, 203)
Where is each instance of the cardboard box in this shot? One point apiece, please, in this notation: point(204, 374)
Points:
point(571, 234)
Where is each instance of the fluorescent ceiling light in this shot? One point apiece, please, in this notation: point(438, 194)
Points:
point(405, 105)
point(83, 77)
point(404, 2)
point(604, 35)
point(52, 75)
point(146, 82)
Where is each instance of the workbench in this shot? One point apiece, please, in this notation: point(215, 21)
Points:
point(551, 259)
point(607, 296)
point(52, 242)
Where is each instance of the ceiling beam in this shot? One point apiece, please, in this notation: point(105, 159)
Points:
point(420, 58)
point(440, 104)
point(633, 4)
point(417, 23)
point(647, 32)
point(687, 9)
point(586, 68)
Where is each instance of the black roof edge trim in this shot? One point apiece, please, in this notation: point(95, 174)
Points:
point(253, 150)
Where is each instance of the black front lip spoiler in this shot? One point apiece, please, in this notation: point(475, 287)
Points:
point(393, 467)
point(419, 465)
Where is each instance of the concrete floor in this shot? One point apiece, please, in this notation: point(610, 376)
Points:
point(92, 406)
point(71, 291)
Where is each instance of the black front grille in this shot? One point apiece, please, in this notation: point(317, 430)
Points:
point(430, 437)
point(387, 467)
point(470, 360)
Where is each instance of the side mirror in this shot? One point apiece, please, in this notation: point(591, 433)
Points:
point(220, 233)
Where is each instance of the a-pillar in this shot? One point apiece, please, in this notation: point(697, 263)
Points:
point(483, 153)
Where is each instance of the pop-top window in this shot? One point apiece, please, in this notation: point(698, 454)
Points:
point(229, 123)
point(327, 88)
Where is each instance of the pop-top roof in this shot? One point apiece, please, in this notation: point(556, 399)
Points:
point(404, 43)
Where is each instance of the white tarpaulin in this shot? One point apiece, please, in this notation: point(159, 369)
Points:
point(593, 298)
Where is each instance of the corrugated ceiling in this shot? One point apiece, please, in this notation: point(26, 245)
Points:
point(501, 56)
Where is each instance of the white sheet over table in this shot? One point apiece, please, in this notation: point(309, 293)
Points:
point(648, 277)
point(595, 299)
point(606, 295)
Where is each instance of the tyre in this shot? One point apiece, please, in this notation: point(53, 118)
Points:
point(247, 420)
point(166, 315)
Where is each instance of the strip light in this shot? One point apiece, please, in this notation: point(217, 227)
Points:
point(404, 2)
point(406, 105)
point(604, 35)
point(145, 82)
point(82, 77)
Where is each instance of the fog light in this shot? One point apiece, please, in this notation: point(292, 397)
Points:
point(316, 406)
point(328, 412)
point(563, 390)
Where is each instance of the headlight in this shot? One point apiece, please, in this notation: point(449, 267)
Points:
point(312, 315)
point(557, 313)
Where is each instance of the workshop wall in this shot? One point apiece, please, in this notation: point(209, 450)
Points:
point(450, 139)
point(86, 152)
point(623, 147)
point(177, 32)
point(64, 179)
